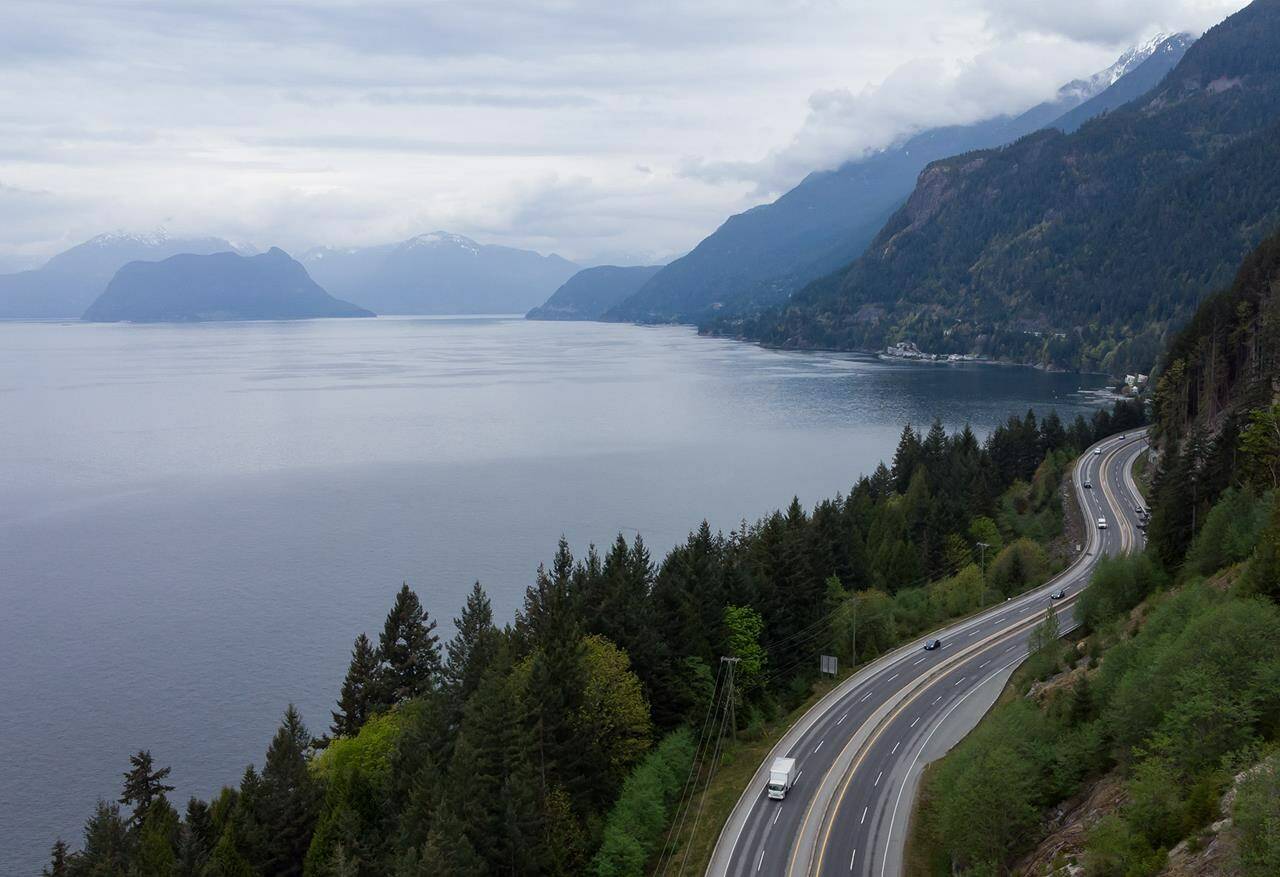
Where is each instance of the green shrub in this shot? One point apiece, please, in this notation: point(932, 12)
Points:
point(637, 824)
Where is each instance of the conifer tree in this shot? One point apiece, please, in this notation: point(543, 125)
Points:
point(360, 694)
point(106, 843)
point(197, 839)
point(289, 798)
point(472, 647)
point(143, 784)
point(410, 649)
point(57, 860)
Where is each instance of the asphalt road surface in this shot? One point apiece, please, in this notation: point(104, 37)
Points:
point(860, 750)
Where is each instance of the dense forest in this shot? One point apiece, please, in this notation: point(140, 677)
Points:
point(1169, 708)
point(563, 742)
point(1079, 250)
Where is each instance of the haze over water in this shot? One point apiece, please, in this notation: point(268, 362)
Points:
point(196, 520)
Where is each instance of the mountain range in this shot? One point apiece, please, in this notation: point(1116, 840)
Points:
point(220, 286)
point(1077, 250)
point(439, 273)
point(69, 282)
point(591, 292)
point(761, 257)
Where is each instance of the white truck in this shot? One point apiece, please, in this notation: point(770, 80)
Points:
point(782, 775)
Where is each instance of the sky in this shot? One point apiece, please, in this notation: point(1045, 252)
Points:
point(604, 131)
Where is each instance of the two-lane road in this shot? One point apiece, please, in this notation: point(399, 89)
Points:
point(860, 750)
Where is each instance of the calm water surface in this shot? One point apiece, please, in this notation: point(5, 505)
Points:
point(196, 521)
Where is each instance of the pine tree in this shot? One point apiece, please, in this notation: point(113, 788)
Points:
point(410, 649)
point(289, 798)
point(197, 839)
point(106, 843)
point(143, 785)
point(57, 860)
point(472, 647)
point(360, 694)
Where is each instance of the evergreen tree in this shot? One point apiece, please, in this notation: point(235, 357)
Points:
point(360, 690)
point(289, 798)
point(197, 839)
point(410, 649)
point(906, 458)
point(143, 784)
point(154, 854)
point(472, 647)
point(57, 860)
point(106, 843)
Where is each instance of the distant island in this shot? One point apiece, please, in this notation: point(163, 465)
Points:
point(223, 286)
point(439, 273)
point(592, 291)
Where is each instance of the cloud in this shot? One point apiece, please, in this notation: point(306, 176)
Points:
point(1106, 21)
point(568, 125)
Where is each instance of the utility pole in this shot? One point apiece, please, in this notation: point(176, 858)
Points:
point(853, 602)
point(983, 546)
point(733, 718)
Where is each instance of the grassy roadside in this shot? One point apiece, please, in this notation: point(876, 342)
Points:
point(737, 765)
point(923, 857)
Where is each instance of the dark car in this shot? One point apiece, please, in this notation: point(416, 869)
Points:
point(933, 644)
point(1088, 485)
point(1058, 594)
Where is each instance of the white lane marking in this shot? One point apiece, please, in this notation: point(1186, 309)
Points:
point(921, 661)
point(760, 864)
point(851, 858)
point(877, 782)
point(913, 721)
point(776, 815)
point(958, 681)
point(864, 814)
point(983, 664)
point(975, 632)
point(819, 746)
point(895, 747)
point(842, 718)
point(936, 699)
point(865, 696)
point(891, 678)
point(797, 777)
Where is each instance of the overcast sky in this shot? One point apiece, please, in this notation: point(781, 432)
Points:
point(604, 131)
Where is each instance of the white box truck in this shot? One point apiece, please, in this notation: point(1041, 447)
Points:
point(781, 777)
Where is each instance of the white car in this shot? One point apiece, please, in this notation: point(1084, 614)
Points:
point(1097, 451)
point(1102, 523)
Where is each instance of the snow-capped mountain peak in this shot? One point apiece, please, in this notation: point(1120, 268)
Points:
point(114, 238)
point(1130, 60)
point(443, 238)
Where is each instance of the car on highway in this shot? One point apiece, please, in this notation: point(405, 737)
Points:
point(1102, 523)
point(1088, 485)
point(1058, 594)
point(1097, 451)
point(933, 644)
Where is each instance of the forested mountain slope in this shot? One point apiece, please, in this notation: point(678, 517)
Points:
point(592, 291)
point(1150, 748)
point(1078, 250)
point(760, 257)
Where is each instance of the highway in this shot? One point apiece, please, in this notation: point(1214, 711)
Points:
point(860, 750)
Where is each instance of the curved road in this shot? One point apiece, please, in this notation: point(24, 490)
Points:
point(860, 750)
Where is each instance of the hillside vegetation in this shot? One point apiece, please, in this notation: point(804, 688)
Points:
point(1077, 250)
point(1173, 695)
